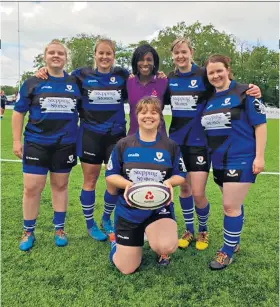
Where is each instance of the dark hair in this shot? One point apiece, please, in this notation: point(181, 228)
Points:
point(138, 54)
point(219, 58)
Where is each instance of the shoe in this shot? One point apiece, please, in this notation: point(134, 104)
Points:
point(60, 238)
point(163, 260)
point(97, 234)
point(202, 240)
point(221, 261)
point(106, 225)
point(27, 241)
point(186, 239)
point(237, 248)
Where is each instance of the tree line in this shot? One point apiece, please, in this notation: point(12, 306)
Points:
point(256, 64)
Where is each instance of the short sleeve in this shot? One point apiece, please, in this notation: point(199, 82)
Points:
point(255, 110)
point(179, 167)
point(114, 165)
point(23, 100)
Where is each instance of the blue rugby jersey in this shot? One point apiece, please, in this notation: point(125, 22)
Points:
point(103, 96)
point(140, 161)
point(52, 106)
point(229, 119)
point(186, 94)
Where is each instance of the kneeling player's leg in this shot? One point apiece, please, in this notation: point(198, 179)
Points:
point(127, 259)
point(162, 235)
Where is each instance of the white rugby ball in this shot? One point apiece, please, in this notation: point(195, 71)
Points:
point(148, 195)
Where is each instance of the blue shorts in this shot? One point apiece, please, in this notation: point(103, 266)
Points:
point(57, 158)
point(222, 176)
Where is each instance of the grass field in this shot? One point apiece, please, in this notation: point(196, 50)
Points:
point(80, 274)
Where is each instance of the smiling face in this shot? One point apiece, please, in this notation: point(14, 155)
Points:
point(55, 56)
point(104, 57)
point(145, 65)
point(148, 118)
point(182, 56)
point(218, 75)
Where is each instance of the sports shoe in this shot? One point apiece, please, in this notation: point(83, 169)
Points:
point(202, 240)
point(60, 238)
point(27, 241)
point(106, 225)
point(186, 239)
point(221, 261)
point(237, 248)
point(163, 260)
point(96, 233)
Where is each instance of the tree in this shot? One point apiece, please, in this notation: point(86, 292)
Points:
point(9, 90)
point(24, 76)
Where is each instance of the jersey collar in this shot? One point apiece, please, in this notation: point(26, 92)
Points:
point(231, 85)
point(186, 74)
point(147, 144)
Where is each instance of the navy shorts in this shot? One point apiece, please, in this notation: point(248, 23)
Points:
point(57, 158)
point(132, 234)
point(196, 158)
point(233, 175)
point(96, 148)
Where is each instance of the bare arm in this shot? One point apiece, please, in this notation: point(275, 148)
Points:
point(118, 181)
point(260, 133)
point(17, 125)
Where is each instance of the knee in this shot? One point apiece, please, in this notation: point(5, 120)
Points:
point(90, 181)
point(127, 270)
point(231, 210)
point(199, 199)
point(32, 190)
point(186, 190)
point(59, 186)
point(166, 247)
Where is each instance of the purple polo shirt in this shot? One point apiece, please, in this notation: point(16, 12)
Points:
point(156, 87)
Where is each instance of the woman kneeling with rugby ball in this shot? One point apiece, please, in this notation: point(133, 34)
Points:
point(142, 157)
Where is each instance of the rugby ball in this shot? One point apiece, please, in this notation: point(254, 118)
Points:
point(148, 195)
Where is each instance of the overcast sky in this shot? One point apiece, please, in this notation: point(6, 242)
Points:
point(126, 22)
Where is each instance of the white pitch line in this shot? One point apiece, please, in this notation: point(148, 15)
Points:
point(16, 161)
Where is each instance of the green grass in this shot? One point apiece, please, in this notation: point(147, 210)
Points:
point(80, 274)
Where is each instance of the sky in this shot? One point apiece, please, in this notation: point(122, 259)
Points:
point(127, 22)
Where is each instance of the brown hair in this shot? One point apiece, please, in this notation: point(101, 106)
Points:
point(107, 41)
point(56, 42)
point(152, 101)
point(219, 58)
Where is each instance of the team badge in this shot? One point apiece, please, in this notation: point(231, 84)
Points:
point(159, 155)
point(227, 101)
point(113, 79)
point(232, 173)
point(69, 87)
point(154, 93)
point(200, 160)
point(193, 82)
point(70, 159)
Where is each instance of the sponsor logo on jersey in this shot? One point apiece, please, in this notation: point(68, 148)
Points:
point(123, 237)
point(163, 211)
point(173, 84)
point(193, 84)
point(184, 103)
point(113, 80)
point(134, 155)
point(104, 97)
point(232, 173)
point(71, 159)
point(259, 106)
point(110, 164)
point(182, 166)
point(217, 121)
point(159, 157)
point(137, 175)
point(32, 158)
point(69, 88)
point(46, 86)
point(227, 102)
point(92, 81)
point(200, 160)
point(57, 105)
point(154, 93)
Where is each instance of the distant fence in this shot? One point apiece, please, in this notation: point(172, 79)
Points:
point(270, 112)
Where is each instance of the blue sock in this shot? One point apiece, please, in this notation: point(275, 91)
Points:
point(232, 231)
point(59, 220)
point(242, 214)
point(202, 215)
point(87, 200)
point(109, 205)
point(112, 251)
point(29, 225)
point(188, 210)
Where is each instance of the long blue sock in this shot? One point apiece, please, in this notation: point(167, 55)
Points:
point(109, 205)
point(242, 214)
point(59, 220)
point(202, 216)
point(87, 200)
point(112, 251)
point(232, 231)
point(29, 225)
point(188, 210)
